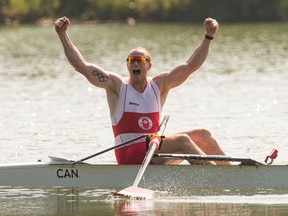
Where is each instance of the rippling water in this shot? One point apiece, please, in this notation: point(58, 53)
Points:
point(75, 201)
point(240, 95)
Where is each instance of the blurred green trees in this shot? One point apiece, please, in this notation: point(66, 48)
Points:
point(29, 11)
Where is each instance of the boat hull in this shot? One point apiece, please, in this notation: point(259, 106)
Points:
point(156, 177)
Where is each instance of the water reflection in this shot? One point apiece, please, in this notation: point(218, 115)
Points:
point(89, 201)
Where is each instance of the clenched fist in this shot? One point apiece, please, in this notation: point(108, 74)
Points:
point(211, 26)
point(61, 24)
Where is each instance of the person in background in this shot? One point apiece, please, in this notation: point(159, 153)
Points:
point(136, 102)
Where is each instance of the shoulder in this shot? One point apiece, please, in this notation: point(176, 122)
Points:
point(116, 77)
point(160, 80)
point(115, 81)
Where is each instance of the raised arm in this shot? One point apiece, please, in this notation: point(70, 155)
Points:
point(179, 74)
point(111, 82)
point(96, 75)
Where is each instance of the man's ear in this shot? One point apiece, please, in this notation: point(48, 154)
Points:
point(149, 66)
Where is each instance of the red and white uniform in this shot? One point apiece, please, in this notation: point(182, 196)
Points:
point(137, 114)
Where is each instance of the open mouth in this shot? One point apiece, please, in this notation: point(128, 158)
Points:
point(136, 72)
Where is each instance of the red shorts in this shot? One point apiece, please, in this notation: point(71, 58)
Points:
point(133, 154)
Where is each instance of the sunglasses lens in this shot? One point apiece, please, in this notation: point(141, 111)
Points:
point(138, 59)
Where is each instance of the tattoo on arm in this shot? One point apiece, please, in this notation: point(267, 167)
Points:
point(101, 77)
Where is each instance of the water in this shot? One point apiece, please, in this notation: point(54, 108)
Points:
point(240, 95)
point(61, 201)
point(73, 201)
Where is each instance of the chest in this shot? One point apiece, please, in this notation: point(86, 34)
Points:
point(141, 102)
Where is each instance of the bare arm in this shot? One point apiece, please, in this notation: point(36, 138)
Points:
point(111, 82)
point(179, 74)
point(96, 75)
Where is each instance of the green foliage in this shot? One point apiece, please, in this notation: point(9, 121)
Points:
point(146, 10)
point(28, 10)
point(282, 9)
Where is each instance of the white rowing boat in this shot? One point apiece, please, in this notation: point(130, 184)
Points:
point(250, 174)
point(61, 172)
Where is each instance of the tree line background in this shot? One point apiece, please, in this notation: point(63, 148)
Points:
point(31, 11)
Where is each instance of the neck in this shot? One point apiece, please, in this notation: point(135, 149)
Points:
point(139, 86)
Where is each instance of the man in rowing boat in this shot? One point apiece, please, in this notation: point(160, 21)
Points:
point(136, 102)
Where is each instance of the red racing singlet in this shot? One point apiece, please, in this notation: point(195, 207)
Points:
point(137, 114)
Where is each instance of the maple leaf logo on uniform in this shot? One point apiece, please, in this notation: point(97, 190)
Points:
point(145, 123)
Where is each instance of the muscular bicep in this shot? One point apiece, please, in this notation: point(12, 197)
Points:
point(100, 77)
point(171, 79)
